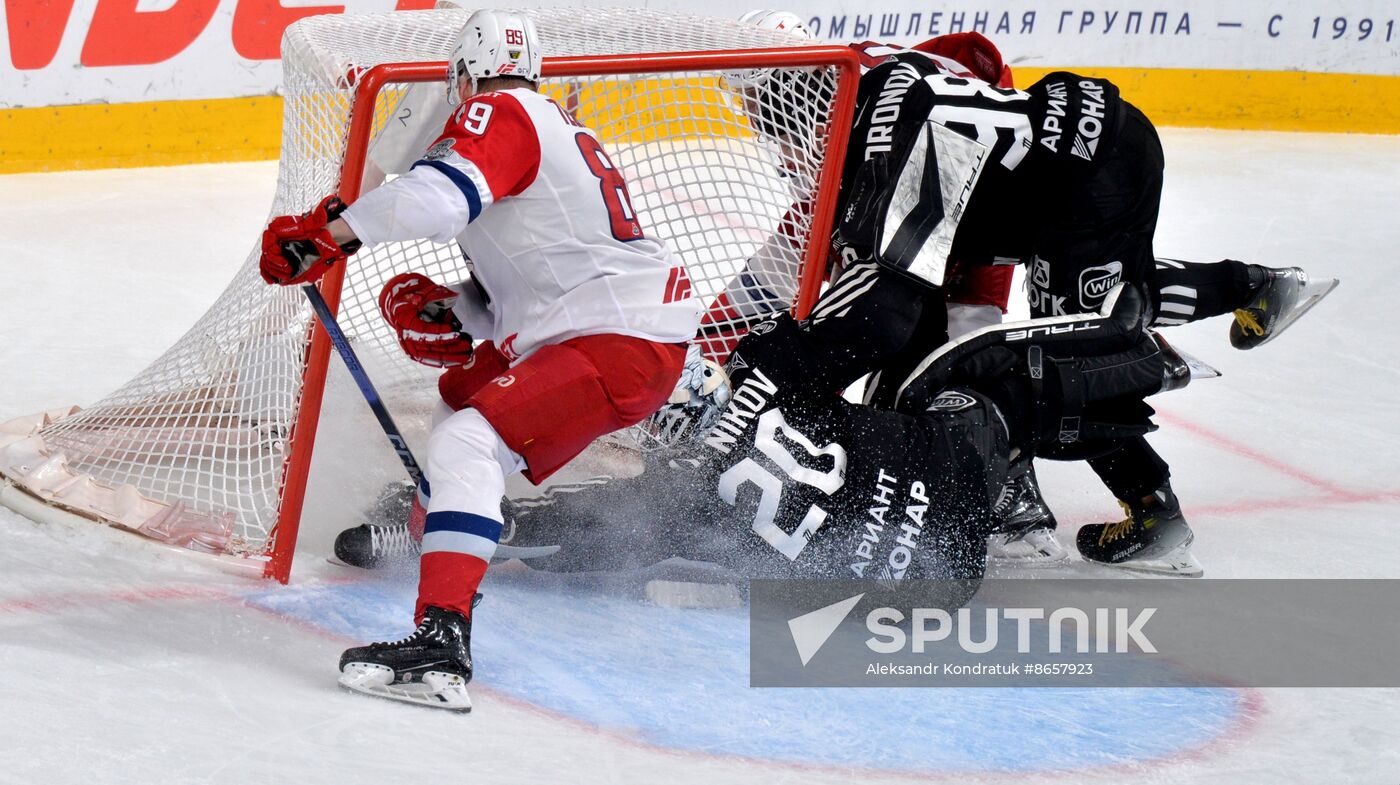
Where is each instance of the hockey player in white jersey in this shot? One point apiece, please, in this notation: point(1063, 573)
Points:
point(587, 319)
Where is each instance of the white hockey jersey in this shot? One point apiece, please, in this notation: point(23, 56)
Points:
point(546, 222)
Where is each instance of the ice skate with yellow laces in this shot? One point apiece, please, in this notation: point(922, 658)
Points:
point(1153, 538)
point(1284, 295)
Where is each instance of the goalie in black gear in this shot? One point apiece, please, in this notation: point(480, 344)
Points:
point(794, 481)
point(1078, 171)
point(937, 167)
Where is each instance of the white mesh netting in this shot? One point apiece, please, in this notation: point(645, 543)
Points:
point(193, 449)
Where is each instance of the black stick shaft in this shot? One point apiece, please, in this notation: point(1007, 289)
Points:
point(357, 372)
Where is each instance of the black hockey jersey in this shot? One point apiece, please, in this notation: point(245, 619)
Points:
point(1062, 123)
point(821, 487)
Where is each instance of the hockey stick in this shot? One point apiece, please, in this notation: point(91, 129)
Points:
point(386, 421)
point(357, 372)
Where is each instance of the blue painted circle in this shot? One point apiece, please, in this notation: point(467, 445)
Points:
point(679, 679)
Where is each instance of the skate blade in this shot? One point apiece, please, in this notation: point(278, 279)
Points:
point(1200, 369)
point(437, 690)
point(1179, 562)
point(1309, 295)
point(1036, 549)
point(524, 552)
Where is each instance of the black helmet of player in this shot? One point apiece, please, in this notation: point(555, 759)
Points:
point(492, 44)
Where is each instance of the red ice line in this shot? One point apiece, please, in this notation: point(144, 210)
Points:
point(1333, 494)
point(1247, 716)
point(57, 602)
point(1244, 724)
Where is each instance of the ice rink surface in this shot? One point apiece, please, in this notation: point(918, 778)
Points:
point(124, 662)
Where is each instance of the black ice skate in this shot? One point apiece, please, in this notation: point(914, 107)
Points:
point(1025, 532)
point(1285, 295)
point(1153, 538)
point(374, 547)
point(383, 539)
point(431, 667)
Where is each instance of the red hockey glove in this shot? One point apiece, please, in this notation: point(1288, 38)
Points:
point(420, 312)
point(299, 249)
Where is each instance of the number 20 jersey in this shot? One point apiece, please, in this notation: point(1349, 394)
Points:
point(812, 485)
point(547, 223)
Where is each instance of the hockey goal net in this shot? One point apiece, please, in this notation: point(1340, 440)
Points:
point(210, 446)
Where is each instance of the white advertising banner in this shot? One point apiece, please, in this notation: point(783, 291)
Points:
point(1336, 36)
point(57, 52)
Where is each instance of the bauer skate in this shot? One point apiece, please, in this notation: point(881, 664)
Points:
point(1153, 538)
point(1286, 294)
point(1025, 531)
point(431, 667)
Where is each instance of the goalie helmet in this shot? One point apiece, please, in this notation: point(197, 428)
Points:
point(783, 104)
point(493, 43)
point(782, 21)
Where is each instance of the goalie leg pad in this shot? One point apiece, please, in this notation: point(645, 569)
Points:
point(906, 208)
point(1062, 381)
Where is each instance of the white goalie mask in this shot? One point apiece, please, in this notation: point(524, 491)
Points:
point(493, 43)
point(700, 397)
point(785, 105)
point(780, 21)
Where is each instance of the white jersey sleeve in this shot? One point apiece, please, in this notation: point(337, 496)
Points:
point(424, 203)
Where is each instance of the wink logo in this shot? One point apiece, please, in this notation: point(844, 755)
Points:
point(811, 631)
point(1096, 282)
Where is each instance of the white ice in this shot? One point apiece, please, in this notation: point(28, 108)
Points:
point(123, 662)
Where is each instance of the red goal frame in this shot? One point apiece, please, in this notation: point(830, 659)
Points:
point(296, 470)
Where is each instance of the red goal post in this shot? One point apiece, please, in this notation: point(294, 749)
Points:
point(373, 81)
